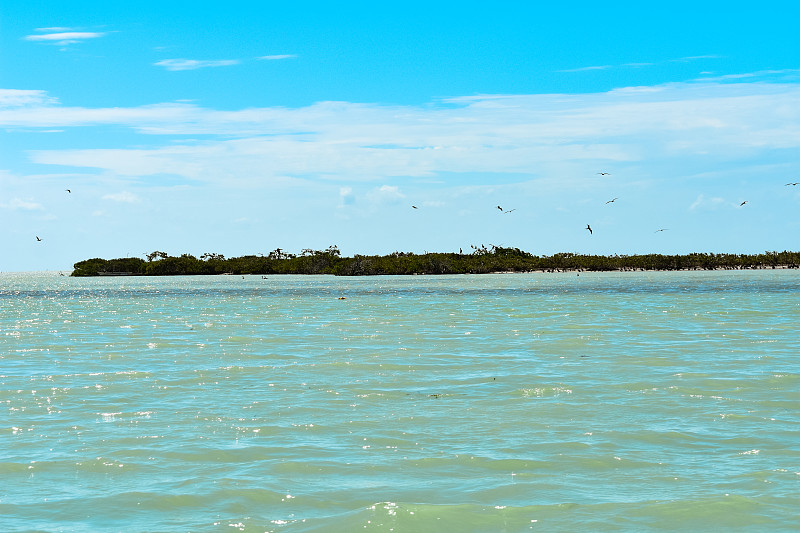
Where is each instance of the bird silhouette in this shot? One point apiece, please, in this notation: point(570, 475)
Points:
point(741, 204)
point(38, 239)
point(612, 201)
point(500, 208)
point(604, 173)
point(415, 207)
point(510, 210)
point(589, 228)
point(793, 183)
point(662, 229)
point(69, 191)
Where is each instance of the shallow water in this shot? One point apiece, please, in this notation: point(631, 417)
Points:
point(555, 402)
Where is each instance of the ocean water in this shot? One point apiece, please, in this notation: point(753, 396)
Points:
point(636, 401)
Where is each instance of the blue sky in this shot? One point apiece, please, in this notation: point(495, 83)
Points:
point(241, 127)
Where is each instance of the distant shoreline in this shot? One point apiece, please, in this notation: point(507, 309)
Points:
point(482, 260)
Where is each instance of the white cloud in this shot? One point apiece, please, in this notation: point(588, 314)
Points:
point(278, 56)
point(788, 72)
point(584, 69)
point(695, 58)
point(124, 196)
point(686, 59)
point(385, 194)
point(25, 205)
point(193, 64)
point(707, 203)
point(346, 196)
point(54, 29)
point(64, 37)
point(524, 134)
point(21, 98)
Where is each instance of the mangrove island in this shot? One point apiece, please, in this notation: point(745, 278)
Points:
point(481, 260)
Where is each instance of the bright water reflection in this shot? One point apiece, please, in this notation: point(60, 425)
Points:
point(614, 401)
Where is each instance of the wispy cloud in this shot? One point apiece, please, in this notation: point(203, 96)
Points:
point(276, 57)
point(62, 36)
point(54, 29)
point(194, 64)
point(585, 69)
point(124, 197)
point(642, 64)
point(487, 133)
point(695, 58)
point(762, 74)
point(22, 98)
point(382, 196)
point(25, 205)
point(707, 203)
point(346, 196)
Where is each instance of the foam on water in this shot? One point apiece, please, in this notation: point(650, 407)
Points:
point(614, 401)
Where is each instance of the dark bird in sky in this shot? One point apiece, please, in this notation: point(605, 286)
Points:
point(69, 191)
point(793, 183)
point(500, 208)
point(741, 204)
point(589, 228)
point(662, 229)
point(612, 201)
point(38, 239)
point(415, 207)
point(604, 173)
point(510, 210)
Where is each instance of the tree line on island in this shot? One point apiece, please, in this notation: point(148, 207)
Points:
point(481, 260)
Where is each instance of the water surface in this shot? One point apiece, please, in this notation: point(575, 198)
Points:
point(556, 402)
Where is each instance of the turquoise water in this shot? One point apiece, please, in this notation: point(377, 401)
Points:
point(664, 401)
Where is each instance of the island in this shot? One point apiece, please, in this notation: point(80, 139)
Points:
point(481, 260)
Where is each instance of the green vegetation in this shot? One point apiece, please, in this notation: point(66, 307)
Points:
point(480, 261)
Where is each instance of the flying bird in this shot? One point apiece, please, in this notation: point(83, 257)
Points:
point(741, 204)
point(38, 239)
point(500, 208)
point(69, 191)
point(604, 173)
point(415, 207)
point(794, 183)
point(612, 201)
point(589, 228)
point(662, 229)
point(510, 210)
